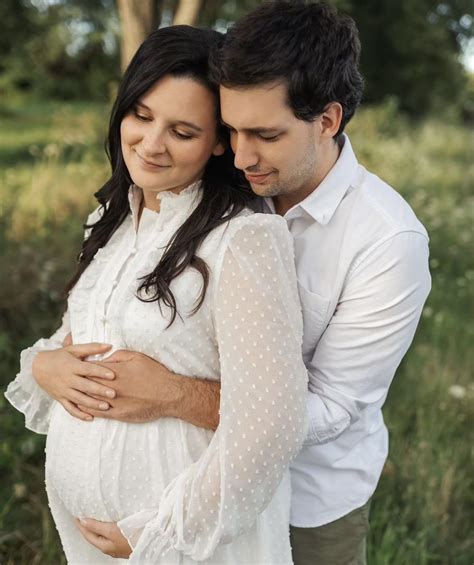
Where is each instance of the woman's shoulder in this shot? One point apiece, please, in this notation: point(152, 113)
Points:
point(95, 215)
point(92, 219)
point(249, 226)
point(255, 226)
point(249, 234)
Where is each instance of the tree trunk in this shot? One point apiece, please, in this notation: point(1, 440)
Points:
point(187, 12)
point(138, 18)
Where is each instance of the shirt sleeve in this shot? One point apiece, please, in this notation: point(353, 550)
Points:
point(262, 425)
point(371, 330)
point(25, 394)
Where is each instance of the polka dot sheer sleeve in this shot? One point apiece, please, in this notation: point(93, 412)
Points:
point(258, 326)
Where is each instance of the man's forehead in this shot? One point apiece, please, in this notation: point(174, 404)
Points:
point(265, 104)
point(265, 91)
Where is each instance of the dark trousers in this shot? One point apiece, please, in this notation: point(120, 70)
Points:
point(342, 542)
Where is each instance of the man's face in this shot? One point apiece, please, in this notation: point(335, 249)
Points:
point(276, 150)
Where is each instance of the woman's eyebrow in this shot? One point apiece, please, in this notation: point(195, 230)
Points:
point(189, 125)
point(144, 106)
point(175, 123)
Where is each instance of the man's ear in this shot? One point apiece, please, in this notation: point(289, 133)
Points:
point(331, 119)
point(219, 149)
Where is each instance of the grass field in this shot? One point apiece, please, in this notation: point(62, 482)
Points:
point(51, 162)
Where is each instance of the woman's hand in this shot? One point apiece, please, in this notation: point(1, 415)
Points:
point(106, 536)
point(63, 374)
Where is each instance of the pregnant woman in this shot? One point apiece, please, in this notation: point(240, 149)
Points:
point(175, 266)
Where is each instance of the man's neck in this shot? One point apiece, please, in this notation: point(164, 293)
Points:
point(283, 202)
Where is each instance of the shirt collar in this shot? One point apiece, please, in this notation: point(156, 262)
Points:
point(324, 200)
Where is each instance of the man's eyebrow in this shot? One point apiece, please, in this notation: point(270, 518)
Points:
point(254, 130)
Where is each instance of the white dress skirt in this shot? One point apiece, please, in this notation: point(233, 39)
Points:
point(179, 493)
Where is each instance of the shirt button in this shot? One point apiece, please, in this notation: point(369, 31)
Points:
point(133, 251)
point(114, 283)
point(103, 319)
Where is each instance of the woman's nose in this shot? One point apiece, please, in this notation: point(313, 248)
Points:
point(154, 142)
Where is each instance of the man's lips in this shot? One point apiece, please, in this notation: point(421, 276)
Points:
point(257, 179)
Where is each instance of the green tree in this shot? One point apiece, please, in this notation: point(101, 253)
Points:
point(71, 48)
point(62, 49)
point(411, 50)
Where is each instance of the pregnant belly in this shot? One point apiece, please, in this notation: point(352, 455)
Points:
point(107, 470)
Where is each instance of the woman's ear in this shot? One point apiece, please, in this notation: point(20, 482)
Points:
point(219, 149)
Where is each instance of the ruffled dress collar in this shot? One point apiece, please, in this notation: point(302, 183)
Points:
point(172, 205)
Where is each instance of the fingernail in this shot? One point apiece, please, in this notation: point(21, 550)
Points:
point(89, 418)
point(110, 393)
point(103, 406)
point(109, 375)
point(83, 521)
point(104, 345)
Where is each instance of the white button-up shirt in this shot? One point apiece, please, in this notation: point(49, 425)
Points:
point(362, 264)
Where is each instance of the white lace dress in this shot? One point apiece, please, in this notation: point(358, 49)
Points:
point(180, 493)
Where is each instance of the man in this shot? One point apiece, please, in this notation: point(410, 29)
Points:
point(290, 84)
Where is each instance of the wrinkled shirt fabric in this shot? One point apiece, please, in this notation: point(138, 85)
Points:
point(363, 277)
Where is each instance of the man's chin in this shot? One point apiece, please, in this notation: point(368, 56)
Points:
point(265, 190)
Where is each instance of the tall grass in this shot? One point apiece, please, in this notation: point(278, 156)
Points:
point(52, 161)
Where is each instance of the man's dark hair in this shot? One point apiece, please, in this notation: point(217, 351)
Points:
point(310, 47)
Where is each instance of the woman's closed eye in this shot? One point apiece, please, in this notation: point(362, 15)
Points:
point(182, 135)
point(141, 117)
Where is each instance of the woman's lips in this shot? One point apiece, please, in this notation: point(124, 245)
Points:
point(149, 165)
point(257, 179)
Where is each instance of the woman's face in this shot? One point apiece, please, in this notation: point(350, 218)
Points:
point(170, 134)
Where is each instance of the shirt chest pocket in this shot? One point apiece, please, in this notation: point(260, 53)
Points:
point(315, 308)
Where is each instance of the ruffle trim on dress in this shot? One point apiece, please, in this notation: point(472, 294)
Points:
point(27, 396)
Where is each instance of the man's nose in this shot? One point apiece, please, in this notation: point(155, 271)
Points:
point(245, 154)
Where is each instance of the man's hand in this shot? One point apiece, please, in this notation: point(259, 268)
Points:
point(106, 536)
point(145, 390)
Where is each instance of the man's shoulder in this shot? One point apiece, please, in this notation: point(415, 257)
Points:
point(382, 210)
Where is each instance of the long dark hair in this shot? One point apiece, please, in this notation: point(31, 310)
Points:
point(176, 51)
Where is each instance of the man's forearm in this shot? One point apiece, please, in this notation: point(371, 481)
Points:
point(196, 401)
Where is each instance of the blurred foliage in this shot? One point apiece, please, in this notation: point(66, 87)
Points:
point(52, 161)
point(63, 50)
point(411, 48)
